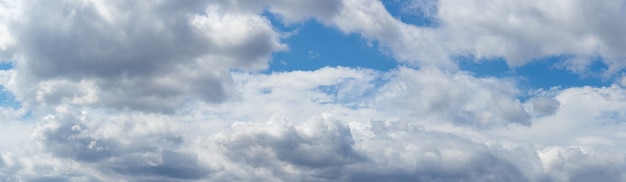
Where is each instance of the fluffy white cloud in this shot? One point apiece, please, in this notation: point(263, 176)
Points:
point(183, 51)
point(586, 116)
point(318, 133)
point(588, 165)
point(126, 91)
point(152, 56)
point(523, 31)
point(463, 98)
point(518, 31)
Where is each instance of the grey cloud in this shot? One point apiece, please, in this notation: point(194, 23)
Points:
point(152, 56)
point(580, 164)
point(323, 10)
point(153, 156)
point(544, 106)
point(320, 145)
point(86, 43)
point(407, 141)
point(140, 147)
point(337, 157)
point(174, 165)
point(66, 141)
point(432, 156)
point(290, 11)
point(160, 59)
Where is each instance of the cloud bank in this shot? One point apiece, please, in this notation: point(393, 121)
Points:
point(173, 91)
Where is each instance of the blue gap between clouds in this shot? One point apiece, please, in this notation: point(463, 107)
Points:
point(314, 46)
point(5, 65)
point(538, 74)
point(410, 13)
point(7, 99)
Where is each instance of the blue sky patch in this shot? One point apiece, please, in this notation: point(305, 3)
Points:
point(6, 65)
point(420, 13)
point(542, 73)
point(315, 46)
point(7, 99)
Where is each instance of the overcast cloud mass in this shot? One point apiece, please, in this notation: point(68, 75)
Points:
point(171, 90)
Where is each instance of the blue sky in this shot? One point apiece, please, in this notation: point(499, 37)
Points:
point(312, 90)
point(309, 50)
point(7, 99)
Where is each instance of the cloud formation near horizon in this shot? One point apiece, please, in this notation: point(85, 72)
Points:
point(176, 91)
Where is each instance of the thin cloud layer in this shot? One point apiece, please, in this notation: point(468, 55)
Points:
point(170, 91)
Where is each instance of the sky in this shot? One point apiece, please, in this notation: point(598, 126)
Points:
point(313, 90)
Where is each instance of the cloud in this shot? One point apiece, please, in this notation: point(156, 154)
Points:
point(153, 91)
point(457, 97)
point(183, 51)
point(586, 116)
point(133, 55)
point(297, 11)
point(589, 164)
point(523, 31)
point(543, 105)
point(519, 32)
point(322, 135)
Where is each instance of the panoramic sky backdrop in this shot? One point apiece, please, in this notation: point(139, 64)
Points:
point(313, 90)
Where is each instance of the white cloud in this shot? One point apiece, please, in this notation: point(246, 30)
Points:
point(622, 81)
point(179, 55)
point(457, 97)
point(19, 133)
point(316, 134)
point(145, 56)
point(125, 91)
point(520, 32)
point(586, 116)
point(588, 165)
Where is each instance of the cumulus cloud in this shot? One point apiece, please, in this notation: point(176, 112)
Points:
point(463, 98)
point(585, 116)
point(133, 55)
point(523, 31)
point(144, 91)
point(303, 137)
point(520, 32)
point(543, 105)
point(183, 51)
